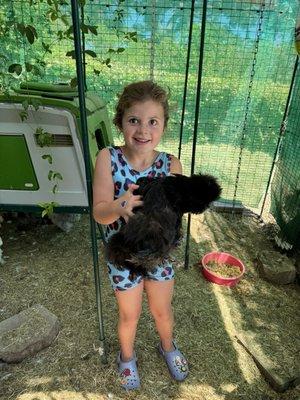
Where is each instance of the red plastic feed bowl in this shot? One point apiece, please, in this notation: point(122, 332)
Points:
point(221, 258)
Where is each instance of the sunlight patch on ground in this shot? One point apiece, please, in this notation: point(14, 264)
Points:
point(243, 358)
point(62, 395)
point(228, 387)
point(207, 392)
point(39, 380)
point(229, 324)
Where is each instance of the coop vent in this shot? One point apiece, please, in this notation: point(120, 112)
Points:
point(59, 140)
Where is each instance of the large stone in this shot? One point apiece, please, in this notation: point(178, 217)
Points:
point(276, 267)
point(26, 333)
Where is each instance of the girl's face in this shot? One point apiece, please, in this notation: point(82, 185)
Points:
point(143, 125)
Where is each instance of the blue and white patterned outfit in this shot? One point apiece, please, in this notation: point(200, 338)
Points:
point(123, 175)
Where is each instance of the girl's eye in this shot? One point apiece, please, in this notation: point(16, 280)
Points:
point(133, 121)
point(153, 122)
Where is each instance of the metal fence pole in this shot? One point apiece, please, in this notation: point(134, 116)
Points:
point(85, 141)
point(197, 112)
point(188, 56)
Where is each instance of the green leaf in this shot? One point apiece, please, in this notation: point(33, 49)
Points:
point(33, 30)
point(17, 68)
point(30, 33)
point(28, 66)
point(107, 62)
point(65, 19)
point(71, 54)
point(119, 50)
point(50, 174)
point(57, 175)
point(36, 71)
point(69, 30)
point(43, 138)
point(91, 53)
point(48, 208)
point(25, 104)
point(46, 47)
point(47, 157)
point(23, 115)
point(74, 82)
point(53, 16)
point(131, 36)
point(93, 29)
point(84, 28)
point(21, 28)
point(54, 189)
point(36, 103)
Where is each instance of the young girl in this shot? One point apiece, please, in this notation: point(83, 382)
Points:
point(142, 115)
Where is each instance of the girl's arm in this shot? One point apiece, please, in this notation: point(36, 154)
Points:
point(175, 167)
point(105, 209)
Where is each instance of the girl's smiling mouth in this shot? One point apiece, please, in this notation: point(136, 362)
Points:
point(141, 141)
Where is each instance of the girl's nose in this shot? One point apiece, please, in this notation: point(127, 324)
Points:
point(144, 128)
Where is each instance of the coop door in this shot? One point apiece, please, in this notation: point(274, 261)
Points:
point(16, 169)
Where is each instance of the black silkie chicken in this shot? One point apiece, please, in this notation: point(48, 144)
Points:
point(155, 229)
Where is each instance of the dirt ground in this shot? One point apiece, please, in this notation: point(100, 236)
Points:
point(44, 265)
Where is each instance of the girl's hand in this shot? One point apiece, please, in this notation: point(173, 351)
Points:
point(129, 201)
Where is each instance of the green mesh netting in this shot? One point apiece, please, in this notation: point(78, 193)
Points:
point(248, 64)
point(285, 194)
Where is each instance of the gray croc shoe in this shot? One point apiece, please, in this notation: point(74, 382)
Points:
point(176, 362)
point(128, 373)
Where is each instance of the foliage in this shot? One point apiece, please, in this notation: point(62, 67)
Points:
point(48, 208)
point(43, 138)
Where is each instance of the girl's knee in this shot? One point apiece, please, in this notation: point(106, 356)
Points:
point(162, 314)
point(130, 316)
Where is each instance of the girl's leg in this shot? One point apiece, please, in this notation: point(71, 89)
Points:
point(160, 295)
point(130, 306)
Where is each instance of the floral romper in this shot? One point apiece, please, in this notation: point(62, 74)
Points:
point(123, 175)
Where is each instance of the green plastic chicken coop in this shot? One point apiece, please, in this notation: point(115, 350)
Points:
point(34, 171)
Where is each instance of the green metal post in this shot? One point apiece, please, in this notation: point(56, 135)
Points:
point(83, 47)
point(85, 141)
point(186, 76)
point(197, 113)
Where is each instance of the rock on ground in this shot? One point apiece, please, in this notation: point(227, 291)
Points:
point(26, 333)
point(276, 268)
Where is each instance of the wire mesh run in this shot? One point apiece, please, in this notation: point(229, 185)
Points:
point(248, 64)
